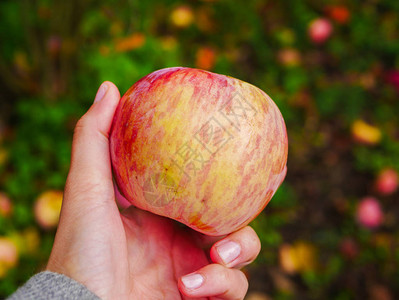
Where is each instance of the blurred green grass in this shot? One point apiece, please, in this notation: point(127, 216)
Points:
point(55, 54)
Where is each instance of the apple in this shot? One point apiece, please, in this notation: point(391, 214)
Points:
point(205, 58)
point(392, 78)
point(257, 296)
point(369, 213)
point(287, 259)
point(349, 248)
point(6, 206)
point(54, 45)
point(380, 292)
point(8, 255)
point(47, 208)
point(133, 41)
point(3, 156)
point(339, 13)
point(387, 181)
point(289, 57)
point(365, 133)
point(31, 240)
point(201, 148)
point(298, 257)
point(182, 16)
point(319, 30)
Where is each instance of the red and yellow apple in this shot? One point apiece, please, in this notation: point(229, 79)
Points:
point(339, 13)
point(201, 148)
point(369, 213)
point(387, 181)
point(289, 57)
point(365, 133)
point(298, 257)
point(205, 58)
point(8, 255)
point(182, 16)
point(320, 30)
point(47, 208)
point(6, 206)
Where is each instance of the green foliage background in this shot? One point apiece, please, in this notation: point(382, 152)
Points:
point(54, 55)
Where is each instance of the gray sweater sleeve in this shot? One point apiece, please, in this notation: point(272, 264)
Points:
point(49, 285)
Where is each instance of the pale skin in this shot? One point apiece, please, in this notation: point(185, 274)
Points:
point(134, 254)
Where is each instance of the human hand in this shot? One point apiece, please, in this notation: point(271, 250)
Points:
point(134, 254)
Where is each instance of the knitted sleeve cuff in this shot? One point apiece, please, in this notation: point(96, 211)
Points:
point(49, 285)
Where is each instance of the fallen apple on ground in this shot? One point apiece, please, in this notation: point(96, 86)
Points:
point(6, 206)
point(8, 255)
point(47, 208)
point(369, 213)
point(320, 30)
point(387, 181)
point(201, 148)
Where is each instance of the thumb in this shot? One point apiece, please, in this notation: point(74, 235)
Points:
point(90, 175)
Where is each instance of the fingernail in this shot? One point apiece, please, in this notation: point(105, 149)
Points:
point(192, 281)
point(228, 251)
point(101, 92)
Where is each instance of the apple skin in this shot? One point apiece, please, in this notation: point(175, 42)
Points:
point(204, 149)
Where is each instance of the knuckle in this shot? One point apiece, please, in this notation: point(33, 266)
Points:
point(225, 276)
point(221, 272)
point(235, 284)
point(79, 127)
point(83, 123)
